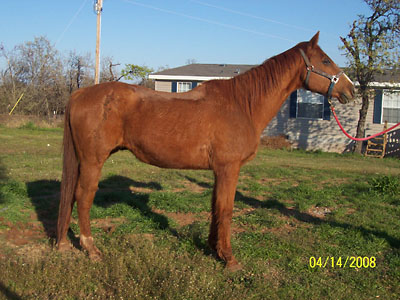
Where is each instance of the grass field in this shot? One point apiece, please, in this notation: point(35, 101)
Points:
point(305, 226)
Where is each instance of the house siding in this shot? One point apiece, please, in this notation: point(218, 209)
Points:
point(325, 135)
point(314, 134)
point(163, 86)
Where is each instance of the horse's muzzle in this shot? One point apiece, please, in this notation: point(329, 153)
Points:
point(345, 98)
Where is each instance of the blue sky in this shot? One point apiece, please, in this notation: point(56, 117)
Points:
point(159, 33)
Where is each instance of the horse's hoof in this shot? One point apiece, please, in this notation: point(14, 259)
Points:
point(95, 254)
point(233, 266)
point(96, 257)
point(65, 246)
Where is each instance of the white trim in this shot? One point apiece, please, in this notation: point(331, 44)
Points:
point(185, 78)
point(381, 84)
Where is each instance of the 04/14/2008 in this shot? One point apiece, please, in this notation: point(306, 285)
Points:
point(342, 262)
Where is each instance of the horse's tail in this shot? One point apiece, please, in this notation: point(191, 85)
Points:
point(69, 178)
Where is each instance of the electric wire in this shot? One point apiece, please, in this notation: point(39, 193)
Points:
point(251, 16)
point(71, 22)
point(234, 27)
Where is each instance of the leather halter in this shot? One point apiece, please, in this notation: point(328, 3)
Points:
point(310, 68)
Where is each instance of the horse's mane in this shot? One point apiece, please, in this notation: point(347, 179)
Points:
point(249, 88)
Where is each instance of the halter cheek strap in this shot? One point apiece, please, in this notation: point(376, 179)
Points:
point(310, 68)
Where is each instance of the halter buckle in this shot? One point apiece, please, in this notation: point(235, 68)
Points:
point(335, 79)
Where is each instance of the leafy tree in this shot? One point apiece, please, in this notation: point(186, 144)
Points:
point(136, 73)
point(372, 46)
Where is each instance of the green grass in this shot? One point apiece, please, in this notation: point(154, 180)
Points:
point(152, 225)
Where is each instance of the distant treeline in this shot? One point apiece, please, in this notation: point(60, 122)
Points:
point(46, 77)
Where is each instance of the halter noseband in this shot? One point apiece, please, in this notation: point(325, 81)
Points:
point(310, 68)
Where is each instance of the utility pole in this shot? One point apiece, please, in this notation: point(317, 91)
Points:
point(98, 7)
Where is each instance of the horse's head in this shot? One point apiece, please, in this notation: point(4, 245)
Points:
point(322, 75)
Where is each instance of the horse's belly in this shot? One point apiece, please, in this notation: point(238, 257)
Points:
point(175, 156)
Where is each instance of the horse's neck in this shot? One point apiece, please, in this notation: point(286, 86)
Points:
point(265, 97)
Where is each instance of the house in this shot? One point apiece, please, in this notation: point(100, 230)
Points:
point(305, 117)
point(187, 77)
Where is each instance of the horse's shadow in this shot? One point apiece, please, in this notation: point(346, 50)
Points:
point(273, 203)
point(44, 195)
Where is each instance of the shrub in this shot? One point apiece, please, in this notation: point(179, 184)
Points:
point(386, 185)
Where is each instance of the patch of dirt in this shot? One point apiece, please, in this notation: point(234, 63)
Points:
point(108, 225)
point(134, 236)
point(282, 229)
point(24, 239)
point(21, 234)
point(241, 212)
point(183, 219)
point(276, 142)
point(142, 190)
point(194, 187)
point(350, 211)
point(319, 212)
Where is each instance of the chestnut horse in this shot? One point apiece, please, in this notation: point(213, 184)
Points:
point(215, 126)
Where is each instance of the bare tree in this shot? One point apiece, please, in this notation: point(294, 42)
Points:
point(8, 87)
point(47, 79)
point(79, 71)
point(109, 71)
point(35, 68)
point(191, 61)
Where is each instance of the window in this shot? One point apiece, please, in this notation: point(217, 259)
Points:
point(391, 106)
point(308, 105)
point(184, 87)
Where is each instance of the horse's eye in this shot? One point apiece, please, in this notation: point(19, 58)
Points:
point(326, 62)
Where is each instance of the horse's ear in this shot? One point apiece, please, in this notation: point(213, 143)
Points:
point(314, 40)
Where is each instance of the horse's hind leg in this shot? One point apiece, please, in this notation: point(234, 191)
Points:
point(89, 175)
point(222, 209)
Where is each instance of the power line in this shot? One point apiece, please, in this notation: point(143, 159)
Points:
point(234, 27)
point(251, 16)
point(70, 22)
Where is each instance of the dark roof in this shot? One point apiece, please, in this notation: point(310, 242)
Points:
point(207, 70)
point(388, 76)
point(229, 70)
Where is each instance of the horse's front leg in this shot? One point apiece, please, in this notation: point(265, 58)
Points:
point(222, 209)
